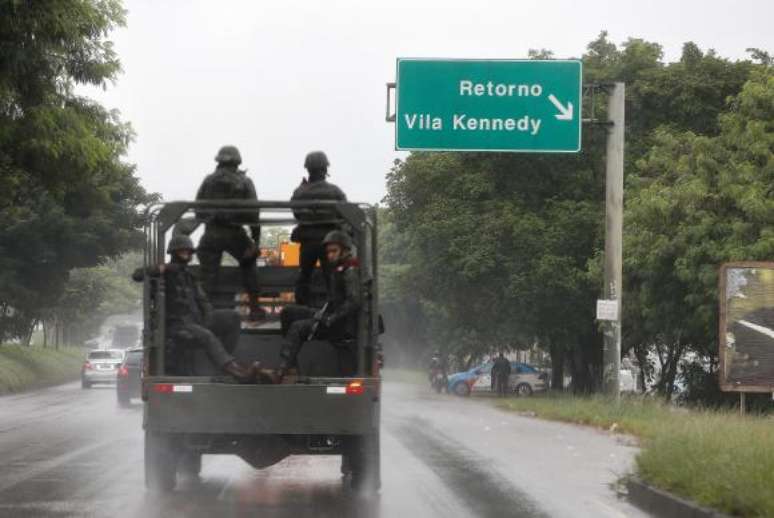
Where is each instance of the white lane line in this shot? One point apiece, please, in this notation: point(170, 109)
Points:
point(755, 327)
point(47, 465)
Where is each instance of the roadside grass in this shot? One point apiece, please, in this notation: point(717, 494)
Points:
point(715, 458)
point(415, 377)
point(24, 368)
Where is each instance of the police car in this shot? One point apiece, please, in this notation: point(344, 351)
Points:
point(524, 380)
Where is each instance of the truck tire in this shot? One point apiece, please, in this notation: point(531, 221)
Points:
point(160, 463)
point(190, 463)
point(366, 464)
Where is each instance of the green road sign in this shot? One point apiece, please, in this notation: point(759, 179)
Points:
point(488, 105)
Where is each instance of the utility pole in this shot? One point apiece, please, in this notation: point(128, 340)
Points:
point(614, 235)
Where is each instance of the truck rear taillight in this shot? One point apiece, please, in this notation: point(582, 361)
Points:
point(163, 388)
point(355, 388)
point(123, 372)
point(87, 366)
point(168, 388)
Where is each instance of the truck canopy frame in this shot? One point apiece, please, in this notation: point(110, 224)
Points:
point(357, 218)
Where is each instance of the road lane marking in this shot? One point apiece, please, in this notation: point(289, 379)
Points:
point(483, 489)
point(755, 327)
point(40, 467)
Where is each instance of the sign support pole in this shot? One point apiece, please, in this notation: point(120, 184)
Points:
point(614, 236)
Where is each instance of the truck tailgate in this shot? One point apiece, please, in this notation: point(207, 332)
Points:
point(196, 405)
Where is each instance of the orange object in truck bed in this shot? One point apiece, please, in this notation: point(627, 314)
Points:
point(290, 254)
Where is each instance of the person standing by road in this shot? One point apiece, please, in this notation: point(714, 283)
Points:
point(224, 231)
point(501, 374)
point(313, 225)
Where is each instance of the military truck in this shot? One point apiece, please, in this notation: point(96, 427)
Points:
point(192, 409)
point(125, 336)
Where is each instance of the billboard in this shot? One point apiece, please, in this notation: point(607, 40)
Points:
point(746, 334)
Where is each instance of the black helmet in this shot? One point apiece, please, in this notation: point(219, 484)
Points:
point(339, 237)
point(316, 161)
point(228, 155)
point(180, 242)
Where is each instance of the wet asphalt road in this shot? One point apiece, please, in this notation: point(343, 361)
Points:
point(71, 452)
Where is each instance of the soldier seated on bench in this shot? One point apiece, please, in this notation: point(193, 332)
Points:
point(191, 321)
point(337, 321)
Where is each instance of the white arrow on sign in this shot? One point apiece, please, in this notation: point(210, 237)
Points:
point(565, 113)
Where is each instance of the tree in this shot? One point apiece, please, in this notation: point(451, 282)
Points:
point(67, 200)
point(505, 250)
point(698, 201)
point(498, 254)
point(92, 294)
point(405, 313)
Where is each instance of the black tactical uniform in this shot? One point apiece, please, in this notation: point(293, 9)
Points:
point(313, 226)
point(191, 321)
point(224, 232)
point(337, 323)
point(501, 374)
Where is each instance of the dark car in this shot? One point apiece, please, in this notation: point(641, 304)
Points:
point(128, 378)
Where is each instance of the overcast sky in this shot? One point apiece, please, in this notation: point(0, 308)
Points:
point(278, 79)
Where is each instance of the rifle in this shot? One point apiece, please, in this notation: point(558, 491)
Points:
point(317, 317)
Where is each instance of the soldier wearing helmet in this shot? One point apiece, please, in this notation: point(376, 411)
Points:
point(313, 225)
point(224, 232)
point(191, 321)
point(337, 321)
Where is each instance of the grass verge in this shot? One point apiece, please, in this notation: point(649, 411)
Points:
point(25, 368)
point(717, 459)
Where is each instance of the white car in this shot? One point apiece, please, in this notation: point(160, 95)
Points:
point(101, 366)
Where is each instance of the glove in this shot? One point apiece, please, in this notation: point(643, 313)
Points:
point(152, 271)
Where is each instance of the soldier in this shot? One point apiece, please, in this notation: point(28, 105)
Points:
point(191, 320)
point(337, 321)
point(314, 226)
point(224, 232)
point(501, 374)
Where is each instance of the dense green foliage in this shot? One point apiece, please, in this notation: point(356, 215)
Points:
point(24, 368)
point(718, 459)
point(67, 199)
point(89, 296)
point(504, 250)
point(698, 201)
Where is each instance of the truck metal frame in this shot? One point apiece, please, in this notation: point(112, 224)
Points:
point(186, 416)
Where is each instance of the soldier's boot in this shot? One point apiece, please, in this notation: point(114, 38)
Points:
point(301, 295)
point(269, 377)
point(286, 373)
point(257, 313)
point(289, 377)
point(242, 374)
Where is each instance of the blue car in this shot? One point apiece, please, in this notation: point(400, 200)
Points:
point(524, 380)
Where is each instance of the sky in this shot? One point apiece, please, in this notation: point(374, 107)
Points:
point(279, 79)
